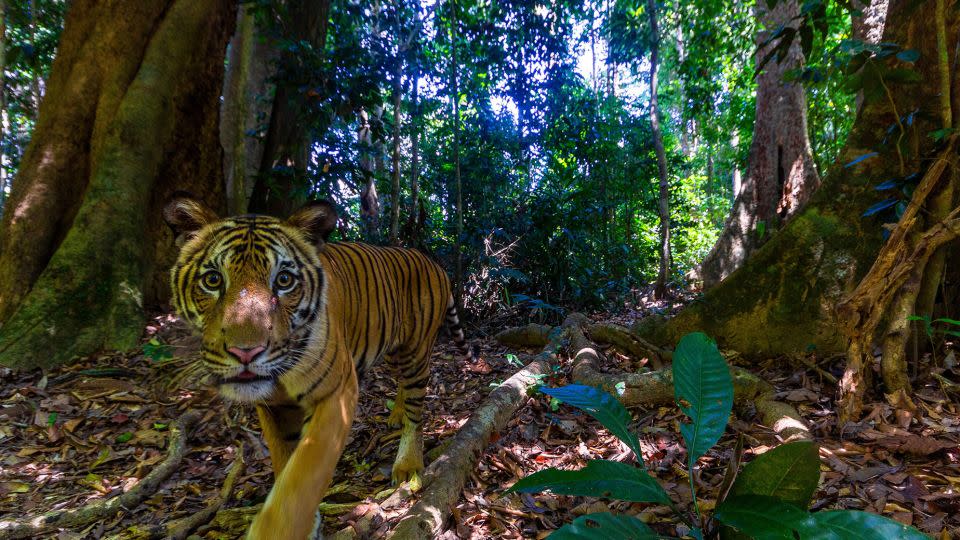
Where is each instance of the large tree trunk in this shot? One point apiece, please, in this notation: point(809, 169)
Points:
point(784, 297)
point(781, 174)
point(130, 116)
point(660, 288)
point(245, 107)
point(286, 143)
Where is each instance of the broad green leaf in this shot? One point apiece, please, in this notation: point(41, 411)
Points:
point(603, 407)
point(600, 478)
point(857, 525)
point(761, 517)
point(789, 472)
point(604, 525)
point(701, 378)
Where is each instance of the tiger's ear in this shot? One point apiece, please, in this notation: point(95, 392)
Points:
point(186, 215)
point(316, 219)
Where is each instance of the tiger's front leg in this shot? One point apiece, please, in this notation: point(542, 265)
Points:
point(290, 508)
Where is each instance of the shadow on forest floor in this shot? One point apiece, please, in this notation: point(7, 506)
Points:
point(77, 435)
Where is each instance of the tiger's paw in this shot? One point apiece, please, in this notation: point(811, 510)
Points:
point(397, 416)
point(411, 478)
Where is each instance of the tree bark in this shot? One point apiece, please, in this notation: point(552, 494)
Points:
point(783, 298)
point(458, 209)
point(414, 225)
point(130, 116)
point(781, 174)
point(395, 188)
point(660, 288)
point(286, 141)
point(245, 107)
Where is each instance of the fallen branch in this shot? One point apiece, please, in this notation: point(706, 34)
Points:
point(445, 477)
point(181, 528)
point(531, 335)
point(104, 509)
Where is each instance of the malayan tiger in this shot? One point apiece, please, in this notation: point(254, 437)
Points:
point(290, 322)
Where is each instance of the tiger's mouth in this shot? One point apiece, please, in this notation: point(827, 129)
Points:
point(245, 377)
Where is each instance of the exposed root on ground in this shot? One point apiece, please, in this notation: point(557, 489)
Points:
point(445, 477)
point(103, 509)
point(181, 528)
point(653, 388)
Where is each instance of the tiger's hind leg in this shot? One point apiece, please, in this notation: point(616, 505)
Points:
point(413, 373)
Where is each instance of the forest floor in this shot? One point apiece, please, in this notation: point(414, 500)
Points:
point(91, 431)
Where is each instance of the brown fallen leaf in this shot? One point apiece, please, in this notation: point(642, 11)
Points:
point(915, 444)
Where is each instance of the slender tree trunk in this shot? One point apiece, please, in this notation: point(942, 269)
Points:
point(660, 288)
point(455, 100)
point(868, 27)
point(395, 191)
point(35, 76)
point(781, 173)
point(369, 199)
point(4, 122)
point(244, 108)
point(130, 116)
point(413, 222)
point(287, 141)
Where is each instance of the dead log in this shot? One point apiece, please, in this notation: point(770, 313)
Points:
point(445, 477)
point(531, 335)
point(32, 527)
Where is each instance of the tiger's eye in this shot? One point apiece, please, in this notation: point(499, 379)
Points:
point(285, 280)
point(212, 279)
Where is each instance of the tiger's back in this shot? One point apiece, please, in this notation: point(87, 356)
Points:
point(395, 301)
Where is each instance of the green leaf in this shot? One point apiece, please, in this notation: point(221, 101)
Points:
point(124, 437)
point(52, 418)
point(847, 524)
point(790, 472)
point(909, 55)
point(604, 525)
point(600, 478)
point(761, 517)
point(603, 407)
point(702, 379)
point(948, 321)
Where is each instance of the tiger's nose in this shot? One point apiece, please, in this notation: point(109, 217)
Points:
point(246, 355)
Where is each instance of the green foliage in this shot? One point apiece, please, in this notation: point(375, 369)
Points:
point(605, 525)
point(767, 500)
point(156, 351)
point(555, 140)
point(701, 379)
point(789, 472)
point(601, 406)
point(600, 478)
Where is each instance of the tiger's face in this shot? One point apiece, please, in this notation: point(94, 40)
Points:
point(253, 286)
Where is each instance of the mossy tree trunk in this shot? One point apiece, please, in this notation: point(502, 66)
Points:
point(781, 174)
point(784, 298)
point(130, 116)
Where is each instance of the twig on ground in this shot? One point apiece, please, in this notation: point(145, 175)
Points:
point(181, 528)
point(103, 509)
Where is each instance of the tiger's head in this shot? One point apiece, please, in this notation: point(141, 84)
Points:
point(253, 286)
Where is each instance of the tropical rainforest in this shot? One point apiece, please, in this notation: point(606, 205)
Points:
point(704, 254)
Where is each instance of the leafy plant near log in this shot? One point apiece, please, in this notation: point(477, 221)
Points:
point(767, 499)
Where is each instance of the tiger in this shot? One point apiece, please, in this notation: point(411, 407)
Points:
point(290, 322)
